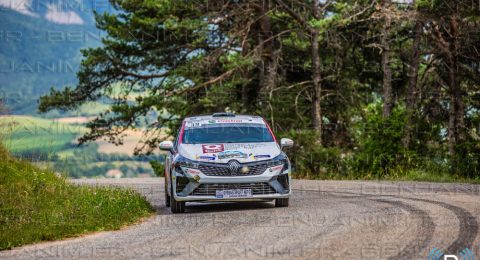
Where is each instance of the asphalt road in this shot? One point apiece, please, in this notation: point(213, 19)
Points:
point(325, 220)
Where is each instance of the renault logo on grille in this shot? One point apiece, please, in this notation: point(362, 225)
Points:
point(233, 166)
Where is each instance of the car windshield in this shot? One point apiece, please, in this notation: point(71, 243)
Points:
point(227, 133)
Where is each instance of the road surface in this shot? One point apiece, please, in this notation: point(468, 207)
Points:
point(325, 220)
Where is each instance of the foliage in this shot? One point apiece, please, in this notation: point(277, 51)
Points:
point(158, 168)
point(36, 205)
point(367, 88)
point(467, 163)
point(380, 140)
point(309, 159)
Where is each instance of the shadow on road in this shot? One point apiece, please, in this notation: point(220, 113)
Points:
point(197, 207)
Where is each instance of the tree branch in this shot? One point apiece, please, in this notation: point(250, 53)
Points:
point(295, 15)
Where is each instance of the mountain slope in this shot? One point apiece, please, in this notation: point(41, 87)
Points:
point(42, 50)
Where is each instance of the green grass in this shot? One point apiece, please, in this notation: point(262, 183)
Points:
point(430, 176)
point(36, 205)
point(395, 175)
point(25, 133)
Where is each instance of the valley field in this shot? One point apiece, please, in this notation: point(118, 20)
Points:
point(52, 143)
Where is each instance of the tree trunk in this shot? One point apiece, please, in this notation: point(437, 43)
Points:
point(456, 124)
point(262, 35)
point(411, 100)
point(245, 87)
point(456, 114)
point(267, 45)
point(387, 71)
point(270, 57)
point(316, 78)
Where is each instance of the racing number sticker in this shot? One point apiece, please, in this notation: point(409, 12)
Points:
point(194, 124)
point(212, 148)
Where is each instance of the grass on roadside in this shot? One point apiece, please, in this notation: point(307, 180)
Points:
point(399, 174)
point(36, 205)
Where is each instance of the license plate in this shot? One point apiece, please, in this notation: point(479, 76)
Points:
point(236, 193)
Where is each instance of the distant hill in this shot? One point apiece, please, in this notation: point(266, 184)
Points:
point(40, 44)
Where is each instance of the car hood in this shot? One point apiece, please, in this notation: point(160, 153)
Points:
point(222, 153)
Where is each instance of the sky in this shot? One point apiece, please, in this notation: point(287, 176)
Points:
point(60, 12)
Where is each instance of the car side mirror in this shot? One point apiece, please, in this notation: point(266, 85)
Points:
point(286, 143)
point(166, 146)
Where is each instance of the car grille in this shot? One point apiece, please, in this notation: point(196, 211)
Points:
point(259, 188)
point(223, 170)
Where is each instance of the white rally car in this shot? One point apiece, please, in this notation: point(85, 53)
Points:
point(226, 157)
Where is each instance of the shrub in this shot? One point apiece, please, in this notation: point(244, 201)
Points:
point(379, 139)
point(467, 159)
point(309, 159)
point(158, 168)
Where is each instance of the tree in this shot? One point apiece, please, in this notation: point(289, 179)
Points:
point(454, 35)
point(387, 14)
point(303, 17)
point(163, 57)
point(320, 67)
point(411, 99)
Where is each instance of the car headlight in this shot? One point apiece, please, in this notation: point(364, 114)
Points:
point(185, 163)
point(279, 160)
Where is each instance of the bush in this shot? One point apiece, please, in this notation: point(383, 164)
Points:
point(311, 160)
point(158, 168)
point(380, 142)
point(467, 160)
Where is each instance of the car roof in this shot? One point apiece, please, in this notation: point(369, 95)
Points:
point(220, 118)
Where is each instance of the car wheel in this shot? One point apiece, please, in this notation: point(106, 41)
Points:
point(167, 197)
point(176, 206)
point(281, 202)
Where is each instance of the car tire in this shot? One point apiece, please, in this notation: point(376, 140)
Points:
point(176, 206)
point(281, 202)
point(167, 197)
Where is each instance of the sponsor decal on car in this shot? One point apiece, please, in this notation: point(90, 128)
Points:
point(243, 146)
point(229, 121)
point(259, 156)
point(206, 157)
point(193, 171)
point(232, 154)
point(212, 148)
point(193, 124)
point(276, 168)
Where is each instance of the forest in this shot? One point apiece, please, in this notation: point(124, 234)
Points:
point(370, 89)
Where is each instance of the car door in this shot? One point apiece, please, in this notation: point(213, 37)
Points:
point(169, 160)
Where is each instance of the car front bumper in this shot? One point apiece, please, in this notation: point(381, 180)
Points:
point(215, 199)
point(196, 186)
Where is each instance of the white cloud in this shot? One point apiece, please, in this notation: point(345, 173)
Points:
point(21, 6)
point(56, 15)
